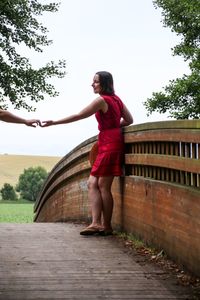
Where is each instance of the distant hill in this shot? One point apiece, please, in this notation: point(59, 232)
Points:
point(11, 166)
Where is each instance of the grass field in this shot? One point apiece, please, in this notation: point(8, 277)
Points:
point(16, 212)
point(11, 166)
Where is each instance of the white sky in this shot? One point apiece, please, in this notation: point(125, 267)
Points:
point(126, 38)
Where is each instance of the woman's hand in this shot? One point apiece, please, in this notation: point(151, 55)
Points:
point(46, 123)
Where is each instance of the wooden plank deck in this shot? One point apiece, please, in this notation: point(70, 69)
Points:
point(52, 261)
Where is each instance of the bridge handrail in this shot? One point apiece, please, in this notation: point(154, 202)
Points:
point(166, 151)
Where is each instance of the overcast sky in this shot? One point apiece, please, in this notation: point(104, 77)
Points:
point(126, 38)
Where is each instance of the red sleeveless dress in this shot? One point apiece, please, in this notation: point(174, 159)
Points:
point(110, 155)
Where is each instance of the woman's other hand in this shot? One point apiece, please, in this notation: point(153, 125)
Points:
point(46, 123)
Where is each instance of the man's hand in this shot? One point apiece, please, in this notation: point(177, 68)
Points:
point(33, 122)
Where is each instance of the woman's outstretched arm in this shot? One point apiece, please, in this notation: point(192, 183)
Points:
point(98, 104)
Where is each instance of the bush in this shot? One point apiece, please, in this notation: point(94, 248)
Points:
point(8, 192)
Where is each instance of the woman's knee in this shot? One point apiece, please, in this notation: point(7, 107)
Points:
point(105, 183)
point(92, 183)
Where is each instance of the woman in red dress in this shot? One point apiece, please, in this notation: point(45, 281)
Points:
point(111, 114)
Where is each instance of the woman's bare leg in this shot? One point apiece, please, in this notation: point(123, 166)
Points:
point(95, 200)
point(105, 184)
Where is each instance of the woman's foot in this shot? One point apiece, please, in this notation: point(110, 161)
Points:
point(90, 230)
point(106, 231)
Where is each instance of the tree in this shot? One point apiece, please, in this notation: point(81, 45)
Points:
point(8, 192)
point(31, 182)
point(20, 83)
point(181, 97)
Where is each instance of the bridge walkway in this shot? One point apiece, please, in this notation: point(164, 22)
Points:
point(53, 261)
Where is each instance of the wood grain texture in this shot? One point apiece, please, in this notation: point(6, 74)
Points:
point(52, 261)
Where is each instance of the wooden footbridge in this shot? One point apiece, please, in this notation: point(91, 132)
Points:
point(157, 200)
point(52, 261)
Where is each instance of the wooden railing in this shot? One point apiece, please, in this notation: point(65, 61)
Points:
point(157, 199)
point(167, 151)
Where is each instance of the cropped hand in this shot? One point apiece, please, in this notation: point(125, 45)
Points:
point(46, 123)
point(33, 122)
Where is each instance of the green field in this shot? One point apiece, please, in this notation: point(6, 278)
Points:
point(16, 212)
point(11, 166)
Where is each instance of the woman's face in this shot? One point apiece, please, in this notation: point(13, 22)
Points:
point(96, 84)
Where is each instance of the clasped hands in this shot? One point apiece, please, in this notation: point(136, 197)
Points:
point(36, 122)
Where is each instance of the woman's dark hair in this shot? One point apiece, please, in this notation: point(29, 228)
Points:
point(106, 82)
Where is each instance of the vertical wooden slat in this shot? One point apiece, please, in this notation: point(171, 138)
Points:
point(162, 148)
point(176, 149)
point(154, 148)
point(180, 149)
point(167, 148)
point(158, 148)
